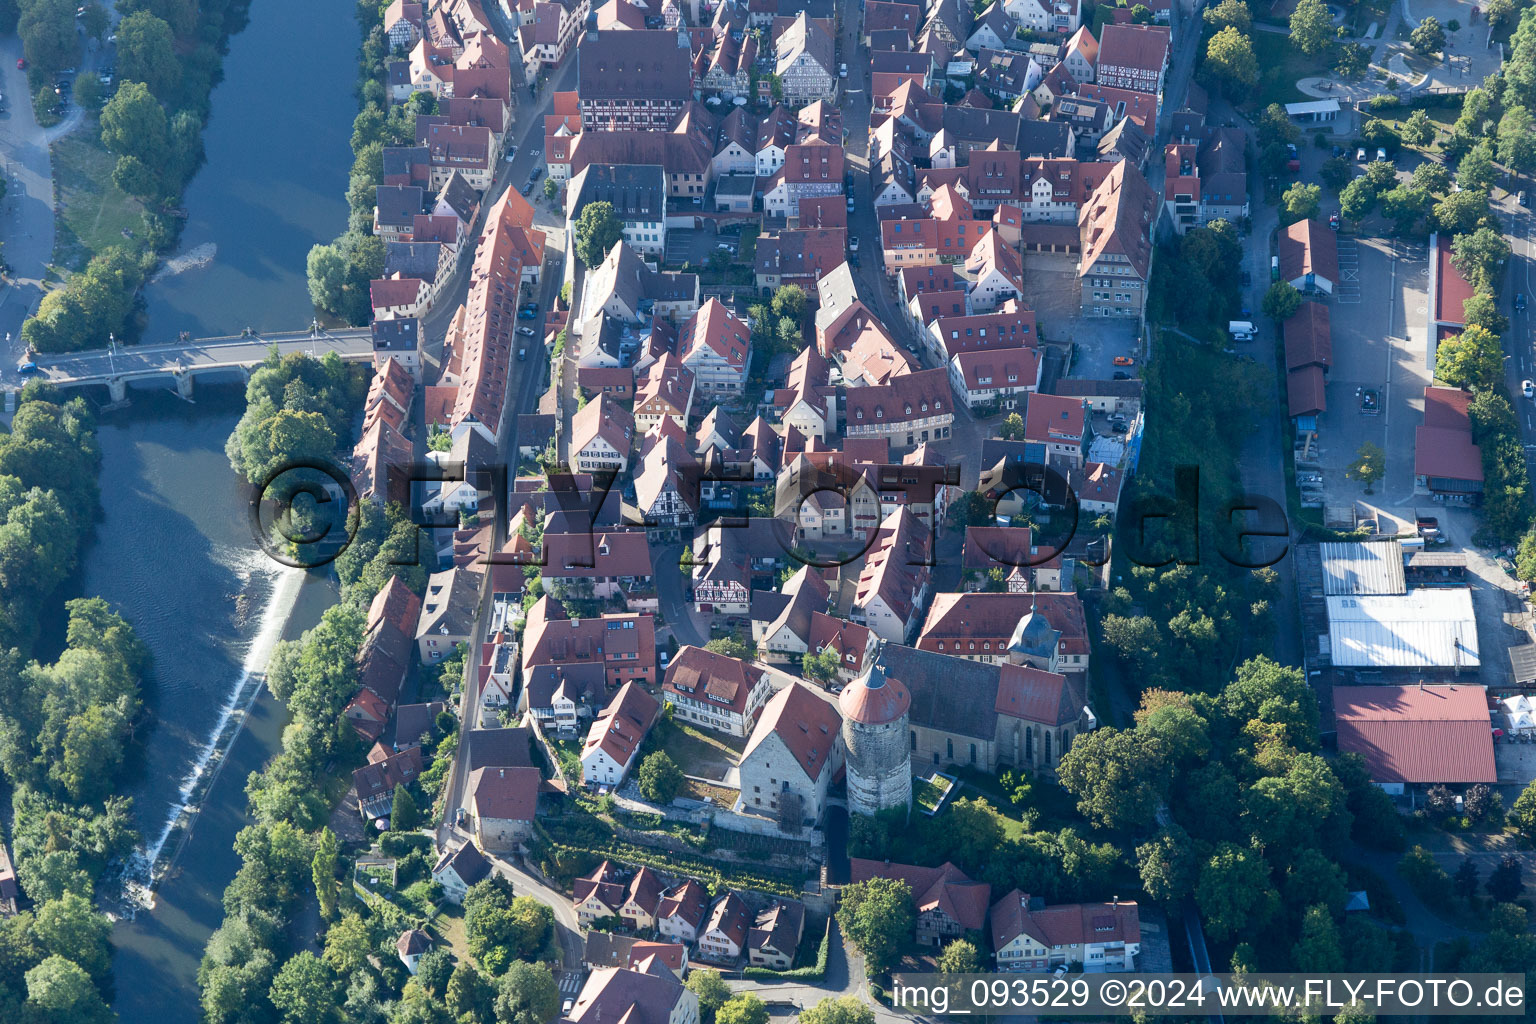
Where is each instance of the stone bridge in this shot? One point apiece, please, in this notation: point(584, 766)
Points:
point(182, 362)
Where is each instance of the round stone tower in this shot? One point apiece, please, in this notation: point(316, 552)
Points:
point(875, 727)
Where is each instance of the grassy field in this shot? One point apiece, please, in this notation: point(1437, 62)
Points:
point(926, 793)
point(697, 752)
point(92, 213)
point(1280, 65)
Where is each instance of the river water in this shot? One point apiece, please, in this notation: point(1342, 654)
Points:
point(279, 156)
point(173, 551)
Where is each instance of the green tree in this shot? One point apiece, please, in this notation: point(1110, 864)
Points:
point(1418, 130)
point(1482, 310)
point(878, 916)
point(1369, 465)
point(1504, 881)
point(1234, 893)
point(959, 957)
point(1405, 205)
point(1012, 427)
point(65, 993)
point(70, 927)
point(469, 994)
point(95, 21)
point(1474, 358)
point(1281, 301)
point(146, 53)
point(1357, 199)
point(134, 124)
point(660, 778)
point(1300, 201)
point(1429, 37)
point(1135, 638)
point(340, 272)
point(1423, 873)
point(742, 1008)
point(1480, 256)
point(821, 666)
point(304, 992)
point(730, 647)
point(597, 230)
point(1119, 777)
point(403, 813)
point(1312, 27)
point(1230, 62)
point(1336, 172)
point(323, 871)
point(47, 30)
point(87, 90)
point(1523, 814)
point(1499, 12)
point(1318, 949)
point(551, 190)
point(1229, 12)
point(1476, 171)
point(711, 990)
point(348, 944)
point(527, 994)
point(1461, 213)
point(1431, 177)
point(839, 1010)
point(1352, 60)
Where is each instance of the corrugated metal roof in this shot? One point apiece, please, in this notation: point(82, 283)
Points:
point(1421, 629)
point(1355, 568)
point(1417, 734)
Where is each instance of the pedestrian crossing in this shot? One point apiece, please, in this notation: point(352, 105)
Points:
point(570, 983)
point(1347, 291)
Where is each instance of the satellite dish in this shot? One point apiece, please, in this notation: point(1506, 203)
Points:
point(740, 101)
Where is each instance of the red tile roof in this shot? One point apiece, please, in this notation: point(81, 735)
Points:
point(715, 678)
point(945, 888)
point(806, 724)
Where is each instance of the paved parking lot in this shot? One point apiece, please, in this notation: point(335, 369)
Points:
point(1379, 344)
point(1055, 295)
point(692, 245)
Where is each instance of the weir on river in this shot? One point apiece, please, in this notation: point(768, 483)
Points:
point(173, 550)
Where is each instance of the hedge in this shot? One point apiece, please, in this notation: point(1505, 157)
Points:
point(674, 864)
point(813, 973)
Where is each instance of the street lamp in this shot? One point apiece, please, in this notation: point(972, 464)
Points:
point(112, 352)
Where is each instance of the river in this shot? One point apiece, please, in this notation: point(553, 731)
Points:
point(278, 161)
point(173, 551)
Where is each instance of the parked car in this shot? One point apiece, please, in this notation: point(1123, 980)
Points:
point(842, 71)
point(1528, 389)
point(1122, 375)
point(527, 314)
point(526, 332)
point(26, 367)
point(530, 304)
point(1360, 154)
point(1118, 428)
point(1381, 153)
point(1520, 198)
point(853, 245)
point(1125, 361)
point(1333, 221)
point(21, 63)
